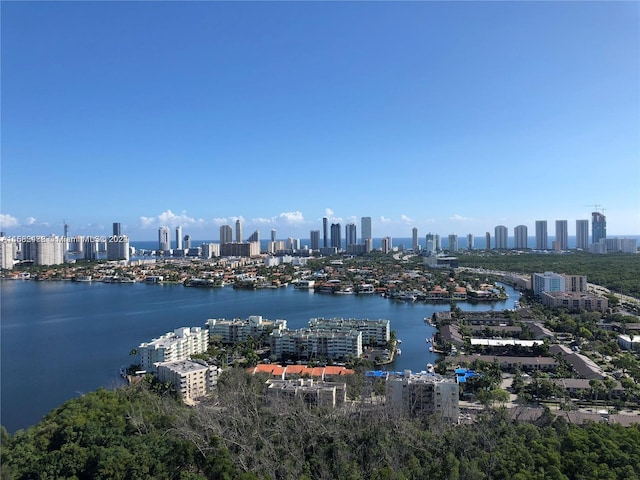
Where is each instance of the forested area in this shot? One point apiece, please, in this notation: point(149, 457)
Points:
point(135, 433)
point(615, 271)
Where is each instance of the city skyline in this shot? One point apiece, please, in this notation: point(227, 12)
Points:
point(448, 117)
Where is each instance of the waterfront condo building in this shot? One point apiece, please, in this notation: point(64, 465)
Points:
point(541, 235)
point(336, 236)
point(487, 241)
point(374, 332)
point(308, 344)
point(310, 391)
point(164, 239)
point(192, 380)
point(470, 241)
point(239, 330)
point(415, 246)
point(238, 231)
point(350, 233)
point(118, 248)
point(521, 240)
point(173, 346)
point(315, 239)
point(502, 237)
point(453, 242)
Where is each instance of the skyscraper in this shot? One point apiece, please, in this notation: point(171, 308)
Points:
point(179, 238)
point(582, 234)
point(414, 243)
point(325, 232)
point(562, 235)
point(164, 239)
point(521, 237)
point(365, 227)
point(470, 241)
point(273, 235)
point(315, 239)
point(598, 227)
point(238, 231)
point(226, 234)
point(453, 242)
point(336, 236)
point(502, 237)
point(117, 231)
point(541, 235)
point(430, 243)
point(351, 236)
point(487, 241)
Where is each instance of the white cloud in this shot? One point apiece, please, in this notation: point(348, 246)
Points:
point(328, 213)
point(292, 218)
point(406, 219)
point(459, 218)
point(263, 221)
point(169, 219)
point(220, 221)
point(385, 220)
point(30, 221)
point(8, 221)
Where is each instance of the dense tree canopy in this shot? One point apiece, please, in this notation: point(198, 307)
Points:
point(133, 433)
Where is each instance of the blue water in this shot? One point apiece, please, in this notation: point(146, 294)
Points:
point(60, 340)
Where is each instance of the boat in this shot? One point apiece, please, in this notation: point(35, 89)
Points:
point(427, 340)
point(430, 368)
point(431, 349)
point(398, 351)
point(366, 289)
point(399, 341)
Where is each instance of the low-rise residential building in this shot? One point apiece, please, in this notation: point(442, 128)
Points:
point(238, 330)
point(374, 332)
point(173, 346)
point(308, 343)
point(290, 372)
point(583, 366)
point(309, 391)
point(422, 394)
point(508, 363)
point(575, 301)
point(192, 380)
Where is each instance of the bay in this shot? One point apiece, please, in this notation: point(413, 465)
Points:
point(60, 340)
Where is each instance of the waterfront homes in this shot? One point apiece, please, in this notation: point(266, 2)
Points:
point(173, 346)
point(292, 372)
point(238, 330)
point(307, 343)
point(422, 394)
point(191, 379)
point(374, 332)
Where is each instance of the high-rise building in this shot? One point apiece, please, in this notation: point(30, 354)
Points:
point(226, 234)
point(325, 232)
point(414, 239)
point(336, 236)
point(438, 242)
point(487, 241)
point(350, 233)
point(273, 235)
point(238, 231)
point(582, 234)
point(365, 226)
point(187, 242)
point(255, 237)
point(521, 240)
point(547, 282)
point(90, 249)
point(164, 239)
point(116, 229)
point(562, 235)
point(453, 242)
point(315, 239)
point(430, 243)
point(179, 238)
point(502, 237)
point(598, 227)
point(470, 241)
point(386, 245)
point(541, 235)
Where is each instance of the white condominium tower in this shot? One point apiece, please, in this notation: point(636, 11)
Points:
point(238, 231)
point(173, 346)
point(502, 237)
point(164, 239)
point(226, 234)
point(179, 238)
point(521, 239)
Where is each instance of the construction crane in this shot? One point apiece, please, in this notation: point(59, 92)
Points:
point(596, 206)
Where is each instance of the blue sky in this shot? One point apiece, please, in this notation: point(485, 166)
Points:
point(451, 117)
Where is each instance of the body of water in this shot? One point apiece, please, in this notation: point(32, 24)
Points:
point(60, 340)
